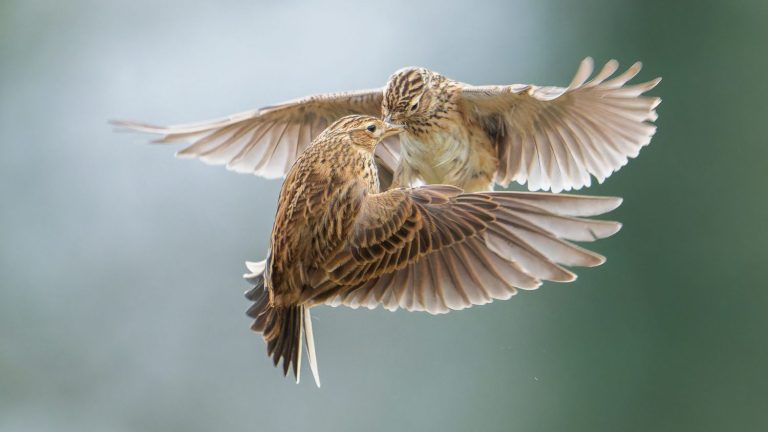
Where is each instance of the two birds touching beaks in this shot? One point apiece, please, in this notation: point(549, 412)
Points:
point(354, 228)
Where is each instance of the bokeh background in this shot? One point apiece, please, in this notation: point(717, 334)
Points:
point(121, 303)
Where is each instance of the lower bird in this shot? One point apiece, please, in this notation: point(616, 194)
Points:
point(338, 240)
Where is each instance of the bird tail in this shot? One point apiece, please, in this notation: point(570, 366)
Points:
point(284, 328)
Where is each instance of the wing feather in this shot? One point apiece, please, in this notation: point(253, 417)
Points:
point(556, 138)
point(267, 141)
point(436, 249)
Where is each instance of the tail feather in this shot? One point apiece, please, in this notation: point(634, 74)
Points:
point(309, 339)
point(283, 329)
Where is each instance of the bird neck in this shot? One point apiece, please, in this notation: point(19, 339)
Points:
point(351, 163)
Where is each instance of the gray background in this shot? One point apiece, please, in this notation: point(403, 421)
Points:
point(121, 303)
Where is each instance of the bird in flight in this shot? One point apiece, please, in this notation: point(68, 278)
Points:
point(338, 240)
point(472, 137)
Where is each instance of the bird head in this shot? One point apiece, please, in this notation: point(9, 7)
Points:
point(409, 97)
point(362, 132)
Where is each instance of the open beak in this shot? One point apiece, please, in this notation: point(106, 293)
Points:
point(392, 129)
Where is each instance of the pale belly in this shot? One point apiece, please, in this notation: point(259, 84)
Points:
point(457, 157)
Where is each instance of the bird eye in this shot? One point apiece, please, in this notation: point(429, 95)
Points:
point(371, 128)
point(415, 106)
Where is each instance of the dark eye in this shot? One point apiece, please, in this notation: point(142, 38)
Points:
point(371, 128)
point(415, 106)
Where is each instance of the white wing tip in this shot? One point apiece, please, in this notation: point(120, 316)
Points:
point(599, 260)
point(614, 203)
point(256, 267)
point(129, 125)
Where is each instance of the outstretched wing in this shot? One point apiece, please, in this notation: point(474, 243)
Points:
point(437, 249)
point(555, 138)
point(267, 141)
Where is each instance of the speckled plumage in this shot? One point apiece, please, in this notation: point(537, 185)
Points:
point(338, 240)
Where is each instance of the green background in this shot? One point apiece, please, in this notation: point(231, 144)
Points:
point(121, 303)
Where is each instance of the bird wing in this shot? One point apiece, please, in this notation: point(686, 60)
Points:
point(436, 249)
point(555, 138)
point(267, 141)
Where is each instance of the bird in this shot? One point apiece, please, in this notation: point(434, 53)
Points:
point(471, 137)
point(339, 240)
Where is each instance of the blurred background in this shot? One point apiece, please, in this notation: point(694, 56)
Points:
point(121, 304)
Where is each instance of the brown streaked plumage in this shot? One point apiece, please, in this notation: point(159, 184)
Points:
point(551, 138)
point(338, 240)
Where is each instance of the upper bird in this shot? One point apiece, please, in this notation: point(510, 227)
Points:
point(338, 240)
point(551, 138)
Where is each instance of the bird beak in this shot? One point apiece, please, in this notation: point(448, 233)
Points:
point(392, 129)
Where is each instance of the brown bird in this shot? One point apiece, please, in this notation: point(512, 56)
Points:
point(551, 138)
point(338, 240)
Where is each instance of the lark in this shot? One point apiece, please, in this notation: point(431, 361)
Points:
point(472, 137)
point(338, 240)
